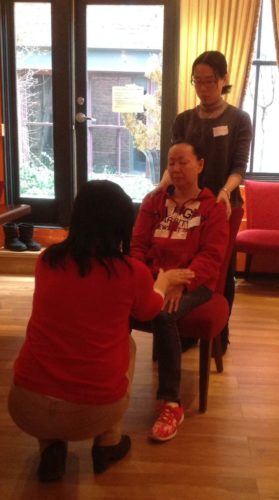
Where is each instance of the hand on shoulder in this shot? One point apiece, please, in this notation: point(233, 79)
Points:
point(164, 182)
point(224, 198)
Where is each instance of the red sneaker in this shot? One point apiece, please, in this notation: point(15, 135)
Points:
point(165, 427)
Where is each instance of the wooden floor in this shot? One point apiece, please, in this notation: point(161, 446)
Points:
point(231, 452)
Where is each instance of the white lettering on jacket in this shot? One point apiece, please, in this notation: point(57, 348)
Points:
point(176, 224)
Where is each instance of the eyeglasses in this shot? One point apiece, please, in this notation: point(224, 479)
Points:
point(207, 83)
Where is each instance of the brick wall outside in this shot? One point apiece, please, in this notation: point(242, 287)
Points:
point(103, 142)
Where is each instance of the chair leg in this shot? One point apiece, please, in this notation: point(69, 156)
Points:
point(205, 358)
point(217, 353)
point(248, 266)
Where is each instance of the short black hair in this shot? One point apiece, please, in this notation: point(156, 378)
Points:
point(217, 61)
point(100, 227)
point(196, 148)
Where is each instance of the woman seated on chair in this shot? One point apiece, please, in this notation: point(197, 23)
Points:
point(180, 227)
point(73, 374)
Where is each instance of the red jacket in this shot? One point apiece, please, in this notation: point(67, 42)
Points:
point(77, 341)
point(194, 237)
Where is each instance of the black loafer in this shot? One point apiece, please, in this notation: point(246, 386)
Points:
point(53, 461)
point(104, 456)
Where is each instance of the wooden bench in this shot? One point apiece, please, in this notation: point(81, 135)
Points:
point(9, 213)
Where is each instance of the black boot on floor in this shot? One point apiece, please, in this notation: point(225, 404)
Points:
point(26, 236)
point(12, 241)
point(104, 456)
point(53, 461)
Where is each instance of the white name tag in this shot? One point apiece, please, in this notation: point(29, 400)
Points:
point(218, 131)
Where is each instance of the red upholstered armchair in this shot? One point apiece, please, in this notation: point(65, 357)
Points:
point(208, 320)
point(262, 209)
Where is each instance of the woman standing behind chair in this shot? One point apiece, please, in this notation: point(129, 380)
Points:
point(223, 134)
point(73, 374)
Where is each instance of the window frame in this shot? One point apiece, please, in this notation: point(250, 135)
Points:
point(258, 63)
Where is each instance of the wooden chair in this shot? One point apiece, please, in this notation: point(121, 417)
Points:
point(206, 321)
point(262, 233)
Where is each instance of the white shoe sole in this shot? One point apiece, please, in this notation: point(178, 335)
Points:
point(157, 438)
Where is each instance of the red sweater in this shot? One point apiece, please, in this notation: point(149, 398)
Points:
point(194, 237)
point(77, 342)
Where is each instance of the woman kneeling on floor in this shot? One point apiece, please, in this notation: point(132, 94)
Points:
point(73, 374)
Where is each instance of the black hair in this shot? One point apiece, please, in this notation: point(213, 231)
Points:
point(196, 148)
point(100, 227)
point(217, 61)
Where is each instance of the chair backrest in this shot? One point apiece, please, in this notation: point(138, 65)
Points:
point(262, 204)
point(234, 222)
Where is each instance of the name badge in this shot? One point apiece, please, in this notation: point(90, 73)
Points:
point(218, 131)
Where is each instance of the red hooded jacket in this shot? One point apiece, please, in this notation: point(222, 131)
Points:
point(194, 236)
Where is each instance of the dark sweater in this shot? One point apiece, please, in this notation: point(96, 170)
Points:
point(224, 142)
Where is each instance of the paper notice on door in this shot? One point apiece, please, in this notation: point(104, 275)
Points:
point(127, 99)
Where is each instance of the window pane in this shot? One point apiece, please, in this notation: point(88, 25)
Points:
point(249, 99)
point(266, 130)
point(124, 77)
point(267, 50)
point(262, 96)
point(34, 99)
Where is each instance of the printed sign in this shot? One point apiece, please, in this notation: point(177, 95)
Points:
point(127, 99)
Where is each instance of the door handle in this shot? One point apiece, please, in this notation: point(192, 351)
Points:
point(81, 118)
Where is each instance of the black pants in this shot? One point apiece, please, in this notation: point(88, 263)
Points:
point(167, 339)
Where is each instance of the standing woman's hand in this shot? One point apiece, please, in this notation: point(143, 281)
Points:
point(224, 197)
point(164, 182)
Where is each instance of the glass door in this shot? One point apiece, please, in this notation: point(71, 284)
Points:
point(119, 93)
point(89, 91)
point(33, 61)
point(36, 56)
